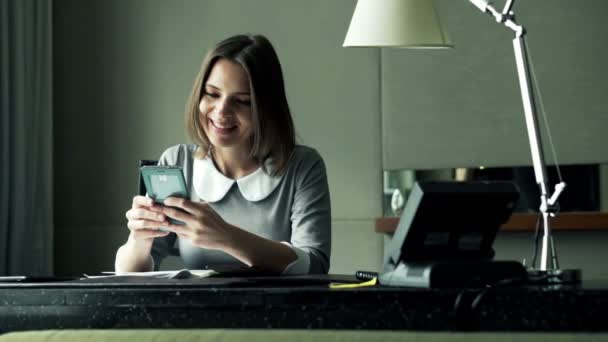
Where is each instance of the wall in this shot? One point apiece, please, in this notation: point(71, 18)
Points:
point(123, 70)
point(469, 97)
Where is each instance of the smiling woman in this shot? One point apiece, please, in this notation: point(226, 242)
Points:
point(244, 65)
point(225, 112)
point(257, 200)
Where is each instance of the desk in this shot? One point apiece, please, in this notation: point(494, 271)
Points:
point(292, 303)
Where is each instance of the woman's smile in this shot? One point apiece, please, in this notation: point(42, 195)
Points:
point(222, 128)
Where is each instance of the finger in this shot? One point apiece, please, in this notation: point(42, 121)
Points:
point(148, 234)
point(142, 201)
point(179, 229)
point(135, 225)
point(142, 213)
point(182, 203)
point(177, 214)
point(145, 202)
point(184, 237)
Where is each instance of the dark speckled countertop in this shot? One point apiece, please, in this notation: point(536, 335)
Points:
point(297, 302)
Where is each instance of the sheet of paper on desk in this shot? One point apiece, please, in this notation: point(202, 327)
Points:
point(178, 274)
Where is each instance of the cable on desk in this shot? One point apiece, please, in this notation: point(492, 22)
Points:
point(366, 275)
point(464, 312)
point(536, 240)
point(371, 282)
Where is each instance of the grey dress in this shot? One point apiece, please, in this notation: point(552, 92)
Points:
point(293, 208)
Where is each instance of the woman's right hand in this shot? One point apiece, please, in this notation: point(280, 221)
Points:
point(145, 218)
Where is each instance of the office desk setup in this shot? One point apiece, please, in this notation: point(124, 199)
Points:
point(297, 302)
point(456, 289)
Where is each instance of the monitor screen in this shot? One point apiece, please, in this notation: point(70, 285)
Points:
point(451, 221)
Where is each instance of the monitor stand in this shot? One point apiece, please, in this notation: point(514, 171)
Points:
point(453, 274)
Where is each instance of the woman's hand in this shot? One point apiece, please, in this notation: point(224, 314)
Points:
point(145, 217)
point(203, 226)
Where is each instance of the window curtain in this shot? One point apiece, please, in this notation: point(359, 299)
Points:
point(26, 137)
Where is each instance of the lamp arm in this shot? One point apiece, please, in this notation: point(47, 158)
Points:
point(547, 206)
point(536, 149)
point(505, 17)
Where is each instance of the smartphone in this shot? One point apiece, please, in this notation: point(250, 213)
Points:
point(164, 181)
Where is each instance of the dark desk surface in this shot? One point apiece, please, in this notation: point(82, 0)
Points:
point(296, 302)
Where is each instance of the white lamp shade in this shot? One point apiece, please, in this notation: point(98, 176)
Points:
point(396, 23)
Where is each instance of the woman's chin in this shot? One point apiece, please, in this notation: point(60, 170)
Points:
point(223, 142)
point(232, 140)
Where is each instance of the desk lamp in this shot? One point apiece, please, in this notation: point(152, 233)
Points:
point(416, 24)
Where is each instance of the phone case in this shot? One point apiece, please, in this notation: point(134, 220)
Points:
point(164, 181)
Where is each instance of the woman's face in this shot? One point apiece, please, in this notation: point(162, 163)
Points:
point(225, 108)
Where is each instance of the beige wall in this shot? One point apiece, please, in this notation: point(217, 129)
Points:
point(462, 107)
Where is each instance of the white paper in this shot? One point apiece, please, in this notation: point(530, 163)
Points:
point(178, 274)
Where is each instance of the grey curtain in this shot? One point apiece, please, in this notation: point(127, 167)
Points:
point(26, 137)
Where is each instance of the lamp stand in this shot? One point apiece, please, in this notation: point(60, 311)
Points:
point(549, 265)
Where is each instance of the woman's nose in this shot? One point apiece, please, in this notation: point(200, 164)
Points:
point(223, 106)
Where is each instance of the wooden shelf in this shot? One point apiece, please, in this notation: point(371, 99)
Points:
point(526, 222)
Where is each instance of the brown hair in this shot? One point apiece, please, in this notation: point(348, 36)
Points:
point(273, 129)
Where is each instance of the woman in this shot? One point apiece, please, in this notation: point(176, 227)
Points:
point(257, 199)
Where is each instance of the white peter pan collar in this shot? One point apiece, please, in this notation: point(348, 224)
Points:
point(211, 185)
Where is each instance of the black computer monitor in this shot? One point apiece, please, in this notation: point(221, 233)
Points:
point(451, 221)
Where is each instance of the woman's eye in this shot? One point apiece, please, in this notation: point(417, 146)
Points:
point(212, 95)
point(244, 102)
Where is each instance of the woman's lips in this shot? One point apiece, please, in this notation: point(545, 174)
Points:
point(222, 129)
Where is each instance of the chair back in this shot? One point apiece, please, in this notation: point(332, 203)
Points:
point(144, 162)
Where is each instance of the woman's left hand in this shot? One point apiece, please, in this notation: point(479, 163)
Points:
point(203, 226)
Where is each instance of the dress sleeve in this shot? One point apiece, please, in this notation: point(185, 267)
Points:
point(311, 217)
